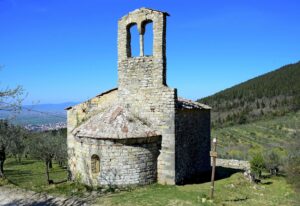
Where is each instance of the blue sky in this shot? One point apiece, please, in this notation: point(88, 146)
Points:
point(67, 50)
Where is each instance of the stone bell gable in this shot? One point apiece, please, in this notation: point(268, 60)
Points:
point(142, 71)
point(140, 132)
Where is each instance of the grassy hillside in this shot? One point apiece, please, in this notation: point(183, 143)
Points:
point(273, 94)
point(235, 190)
point(241, 141)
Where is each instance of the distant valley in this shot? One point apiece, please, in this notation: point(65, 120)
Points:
point(40, 116)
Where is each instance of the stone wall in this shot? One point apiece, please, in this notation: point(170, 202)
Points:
point(156, 106)
point(234, 164)
point(78, 114)
point(122, 162)
point(192, 143)
point(142, 85)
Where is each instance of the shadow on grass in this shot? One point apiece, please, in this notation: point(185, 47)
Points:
point(238, 199)
point(280, 175)
point(60, 182)
point(9, 172)
point(266, 183)
point(16, 163)
point(221, 173)
point(19, 177)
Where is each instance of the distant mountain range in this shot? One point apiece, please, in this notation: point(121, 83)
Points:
point(39, 114)
point(272, 94)
point(56, 108)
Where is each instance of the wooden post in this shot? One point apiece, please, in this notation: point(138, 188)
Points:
point(213, 154)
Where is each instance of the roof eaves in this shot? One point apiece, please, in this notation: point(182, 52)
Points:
point(190, 105)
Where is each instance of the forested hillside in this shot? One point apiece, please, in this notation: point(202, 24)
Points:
point(272, 94)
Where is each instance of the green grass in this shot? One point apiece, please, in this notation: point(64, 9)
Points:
point(240, 141)
point(30, 174)
point(233, 190)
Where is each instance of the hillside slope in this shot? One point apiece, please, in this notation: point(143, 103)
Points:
point(272, 94)
point(242, 141)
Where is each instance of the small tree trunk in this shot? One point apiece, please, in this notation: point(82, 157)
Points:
point(47, 171)
point(61, 163)
point(50, 164)
point(1, 169)
point(2, 160)
point(19, 158)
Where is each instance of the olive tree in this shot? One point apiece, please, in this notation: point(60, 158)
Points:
point(46, 147)
point(61, 150)
point(4, 143)
point(18, 144)
point(292, 163)
point(10, 101)
point(12, 141)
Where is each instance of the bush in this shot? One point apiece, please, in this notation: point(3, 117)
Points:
point(272, 162)
point(292, 164)
point(257, 165)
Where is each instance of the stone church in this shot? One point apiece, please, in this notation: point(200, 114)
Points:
point(140, 132)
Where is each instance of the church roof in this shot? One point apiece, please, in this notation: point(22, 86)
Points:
point(189, 104)
point(115, 122)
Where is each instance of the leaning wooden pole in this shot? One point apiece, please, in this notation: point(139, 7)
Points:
point(213, 155)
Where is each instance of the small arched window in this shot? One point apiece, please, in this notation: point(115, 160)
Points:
point(133, 40)
point(95, 164)
point(148, 37)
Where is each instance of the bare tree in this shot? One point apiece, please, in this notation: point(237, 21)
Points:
point(10, 100)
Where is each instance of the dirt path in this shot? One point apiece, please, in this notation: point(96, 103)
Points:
point(10, 196)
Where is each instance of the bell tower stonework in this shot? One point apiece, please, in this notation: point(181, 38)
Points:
point(142, 83)
point(142, 71)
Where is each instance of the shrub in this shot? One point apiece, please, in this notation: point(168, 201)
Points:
point(257, 164)
point(292, 164)
point(272, 162)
